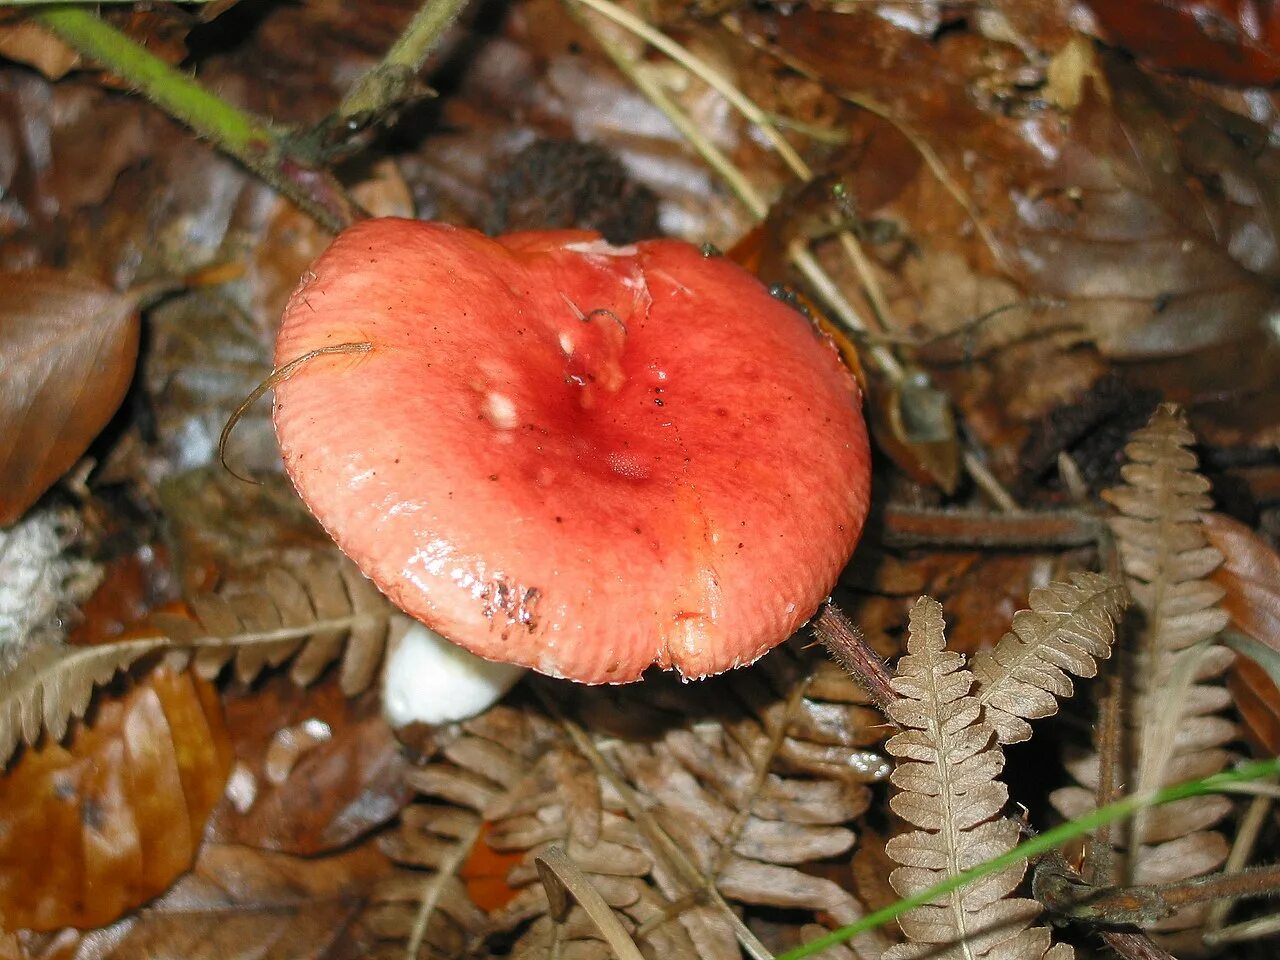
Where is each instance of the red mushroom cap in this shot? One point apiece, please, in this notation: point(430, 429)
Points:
point(579, 458)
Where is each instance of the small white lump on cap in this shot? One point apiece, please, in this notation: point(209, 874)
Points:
point(427, 679)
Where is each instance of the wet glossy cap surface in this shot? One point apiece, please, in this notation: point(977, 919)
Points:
point(579, 458)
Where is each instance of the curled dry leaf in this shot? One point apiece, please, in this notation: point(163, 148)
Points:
point(69, 346)
point(100, 826)
point(1174, 694)
point(948, 764)
point(28, 42)
point(1030, 669)
point(1249, 577)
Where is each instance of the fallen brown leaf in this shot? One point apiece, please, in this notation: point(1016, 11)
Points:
point(69, 346)
point(1250, 574)
point(315, 771)
point(1233, 40)
point(103, 824)
point(30, 43)
point(1136, 228)
point(244, 904)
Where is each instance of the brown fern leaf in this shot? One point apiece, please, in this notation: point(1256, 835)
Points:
point(324, 610)
point(579, 937)
point(946, 776)
point(764, 786)
point(516, 776)
point(51, 684)
point(1068, 628)
point(480, 763)
point(1174, 694)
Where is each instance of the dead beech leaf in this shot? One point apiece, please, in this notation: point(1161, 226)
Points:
point(315, 770)
point(1156, 225)
point(1257, 699)
point(243, 904)
point(95, 828)
point(28, 42)
point(69, 346)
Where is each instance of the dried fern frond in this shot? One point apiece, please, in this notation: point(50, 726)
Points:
point(51, 684)
point(1174, 693)
point(516, 775)
point(429, 913)
point(1069, 627)
point(706, 803)
point(324, 611)
point(766, 785)
point(946, 775)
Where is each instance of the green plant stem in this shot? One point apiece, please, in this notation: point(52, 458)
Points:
point(393, 79)
point(231, 129)
point(1049, 840)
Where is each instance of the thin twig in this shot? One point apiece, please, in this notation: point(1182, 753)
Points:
point(1246, 837)
point(1134, 946)
point(1109, 740)
point(232, 130)
point(849, 648)
point(277, 376)
point(433, 888)
point(906, 526)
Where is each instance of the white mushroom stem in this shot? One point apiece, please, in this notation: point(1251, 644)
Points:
point(427, 679)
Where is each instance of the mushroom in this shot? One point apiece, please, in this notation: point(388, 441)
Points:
point(570, 456)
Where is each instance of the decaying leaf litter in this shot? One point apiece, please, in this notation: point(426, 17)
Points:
point(1033, 236)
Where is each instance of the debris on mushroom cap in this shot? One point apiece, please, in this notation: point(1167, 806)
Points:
point(579, 458)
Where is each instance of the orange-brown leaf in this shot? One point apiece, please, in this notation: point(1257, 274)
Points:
point(1257, 700)
point(243, 904)
point(69, 346)
point(485, 873)
point(1250, 574)
point(99, 826)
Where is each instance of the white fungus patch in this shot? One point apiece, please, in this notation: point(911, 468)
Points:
point(39, 584)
